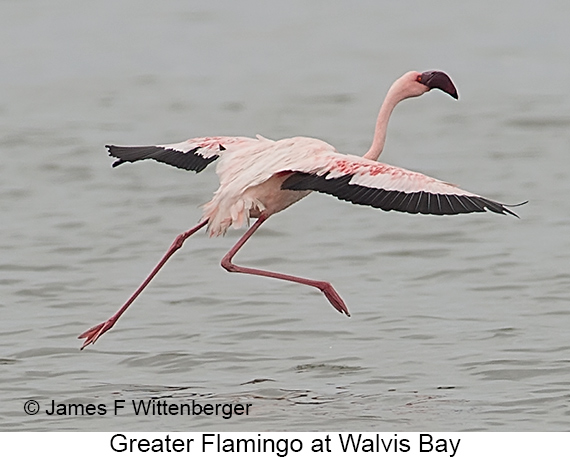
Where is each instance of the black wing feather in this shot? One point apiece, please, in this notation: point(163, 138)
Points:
point(190, 160)
point(388, 200)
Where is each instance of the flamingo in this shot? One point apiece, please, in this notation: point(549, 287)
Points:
point(260, 177)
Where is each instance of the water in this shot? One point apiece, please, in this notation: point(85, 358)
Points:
point(459, 323)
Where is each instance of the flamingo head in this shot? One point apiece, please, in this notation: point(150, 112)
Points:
point(414, 84)
point(437, 80)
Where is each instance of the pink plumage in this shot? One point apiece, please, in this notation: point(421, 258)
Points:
point(260, 177)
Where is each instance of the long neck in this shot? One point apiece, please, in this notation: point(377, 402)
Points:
point(393, 97)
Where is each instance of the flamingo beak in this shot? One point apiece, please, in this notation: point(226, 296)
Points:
point(438, 80)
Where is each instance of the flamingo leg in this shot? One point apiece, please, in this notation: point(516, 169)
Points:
point(325, 287)
point(94, 333)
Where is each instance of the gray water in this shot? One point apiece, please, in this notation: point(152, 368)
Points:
point(458, 323)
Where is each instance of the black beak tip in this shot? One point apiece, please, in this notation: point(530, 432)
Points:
point(439, 80)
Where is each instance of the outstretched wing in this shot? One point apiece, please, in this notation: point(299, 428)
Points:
point(194, 154)
point(370, 183)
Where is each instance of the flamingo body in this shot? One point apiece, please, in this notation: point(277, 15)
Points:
point(260, 177)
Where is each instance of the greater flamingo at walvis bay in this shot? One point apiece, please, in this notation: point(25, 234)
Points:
point(260, 177)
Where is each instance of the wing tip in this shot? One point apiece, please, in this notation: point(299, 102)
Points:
point(506, 209)
point(110, 148)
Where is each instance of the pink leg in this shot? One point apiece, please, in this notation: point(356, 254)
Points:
point(325, 287)
point(94, 333)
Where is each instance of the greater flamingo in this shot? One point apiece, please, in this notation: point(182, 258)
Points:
point(260, 177)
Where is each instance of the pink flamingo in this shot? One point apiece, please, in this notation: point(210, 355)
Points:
point(260, 177)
